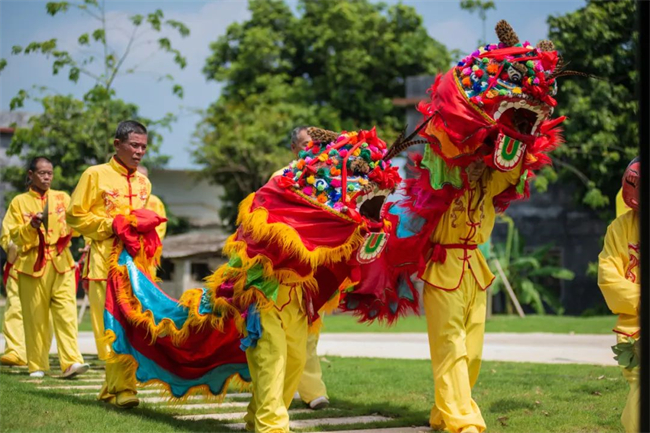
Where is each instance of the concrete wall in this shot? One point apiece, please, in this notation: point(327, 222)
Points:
point(575, 231)
point(188, 195)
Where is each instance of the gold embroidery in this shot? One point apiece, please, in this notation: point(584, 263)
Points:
point(109, 200)
point(457, 206)
point(630, 274)
point(143, 194)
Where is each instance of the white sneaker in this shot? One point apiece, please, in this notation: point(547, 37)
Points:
point(296, 396)
point(319, 403)
point(75, 369)
point(37, 374)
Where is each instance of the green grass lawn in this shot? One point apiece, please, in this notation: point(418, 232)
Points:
point(514, 397)
point(531, 323)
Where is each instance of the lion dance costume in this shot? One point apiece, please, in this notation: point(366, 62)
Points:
point(304, 240)
point(493, 108)
point(323, 224)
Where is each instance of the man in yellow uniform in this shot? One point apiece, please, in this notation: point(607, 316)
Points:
point(618, 278)
point(155, 204)
point(12, 325)
point(456, 277)
point(37, 225)
point(311, 389)
point(105, 191)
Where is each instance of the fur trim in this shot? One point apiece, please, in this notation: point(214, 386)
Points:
point(255, 225)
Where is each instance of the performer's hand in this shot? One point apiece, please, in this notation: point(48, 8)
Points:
point(37, 220)
point(85, 249)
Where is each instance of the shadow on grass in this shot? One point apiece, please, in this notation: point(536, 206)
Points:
point(142, 412)
point(506, 405)
point(401, 415)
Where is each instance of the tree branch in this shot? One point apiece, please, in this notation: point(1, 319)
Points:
point(580, 175)
point(124, 55)
point(92, 14)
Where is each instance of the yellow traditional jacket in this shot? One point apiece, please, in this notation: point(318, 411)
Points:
point(156, 205)
point(621, 207)
point(17, 224)
point(619, 272)
point(103, 192)
point(468, 221)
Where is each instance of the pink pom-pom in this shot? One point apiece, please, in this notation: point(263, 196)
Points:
point(308, 190)
point(467, 71)
point(343, 153)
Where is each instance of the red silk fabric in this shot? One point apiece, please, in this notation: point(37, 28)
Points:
point(130, 230)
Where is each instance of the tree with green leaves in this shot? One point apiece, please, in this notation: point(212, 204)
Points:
point(601, 130)
point(76, 133)
point(481, 7)
point(336, 64)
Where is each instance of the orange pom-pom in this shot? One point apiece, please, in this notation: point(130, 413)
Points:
point(467, 82)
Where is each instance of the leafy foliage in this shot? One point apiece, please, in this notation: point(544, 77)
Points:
point(245, 141)
point(336, 64)
point(628, 353)
point(527, 272)
point(76, 133)
point(601, 129)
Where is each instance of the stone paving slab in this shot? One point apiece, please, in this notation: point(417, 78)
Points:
point(230, 416)
point(184, 406)
point(308, 423)
point(191, 398)
point(390, 430)
point(77, 379)
point(193, 406)
point(93, 387)
point(163, 399)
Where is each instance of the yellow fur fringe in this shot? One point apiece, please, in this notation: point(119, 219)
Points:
point(255, 224)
